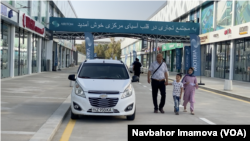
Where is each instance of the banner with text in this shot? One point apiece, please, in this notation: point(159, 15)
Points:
point(195, 54)
point(123, 26)
point(89, 44)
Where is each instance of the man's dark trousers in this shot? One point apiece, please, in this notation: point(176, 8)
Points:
point(155, 86)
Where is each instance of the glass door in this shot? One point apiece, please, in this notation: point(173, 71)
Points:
point(222, 60)
point(23, 52)
point(4, 46)
point(247, 51)
point(238, 60)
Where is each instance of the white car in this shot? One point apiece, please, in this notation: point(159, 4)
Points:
point(102, 88)
point(131, 69)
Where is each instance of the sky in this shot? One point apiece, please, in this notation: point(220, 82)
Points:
point(122, 10)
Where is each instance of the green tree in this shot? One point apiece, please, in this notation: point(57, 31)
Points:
point(114, 49)
point(105, 51)
point(81, 48)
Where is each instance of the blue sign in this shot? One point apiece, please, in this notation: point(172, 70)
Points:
point(195, 54)
point(89, 44)
point(178, 58)
point(10, 15)
point(123, 26)
point(187, 57)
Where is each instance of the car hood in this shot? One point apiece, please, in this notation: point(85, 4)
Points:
point(103, 84)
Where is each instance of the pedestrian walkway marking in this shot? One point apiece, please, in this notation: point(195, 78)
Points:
point(17, 132)
point(68, 130)
point(225, 96)
point(207, 121)
point(144, 86)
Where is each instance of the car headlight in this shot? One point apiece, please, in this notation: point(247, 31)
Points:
point(128, 92)
point(79, 91)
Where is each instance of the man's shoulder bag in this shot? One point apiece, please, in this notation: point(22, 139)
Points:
point(156, 70)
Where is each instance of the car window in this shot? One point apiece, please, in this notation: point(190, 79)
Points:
point(103, 71)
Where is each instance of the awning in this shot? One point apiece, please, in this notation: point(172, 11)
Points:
point(170, 46)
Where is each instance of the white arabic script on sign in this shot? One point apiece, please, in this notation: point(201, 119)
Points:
point(130, 26)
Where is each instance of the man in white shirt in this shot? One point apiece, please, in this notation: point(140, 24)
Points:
point(159, 79)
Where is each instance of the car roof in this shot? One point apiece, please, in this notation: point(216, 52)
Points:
point(103, 61)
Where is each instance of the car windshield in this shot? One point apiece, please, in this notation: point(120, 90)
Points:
point(103, 71)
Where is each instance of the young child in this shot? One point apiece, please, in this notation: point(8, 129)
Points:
point(177, 92)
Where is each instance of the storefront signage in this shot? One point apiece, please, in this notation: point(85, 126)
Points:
point(228, 31)
point(31, 24)
point(243, 30)
point(170, 46)
point(203, 39)
point(28, 23)
point(216, 35)
point(3, 10)
point(9, 13)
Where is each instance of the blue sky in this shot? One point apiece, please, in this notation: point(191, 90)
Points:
point(125, 10)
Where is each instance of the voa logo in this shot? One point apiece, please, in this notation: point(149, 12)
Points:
point(88, 41)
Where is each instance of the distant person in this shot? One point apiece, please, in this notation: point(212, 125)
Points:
point(159, 79)
point(137, 67)
point(177, 92)
point(190, 83)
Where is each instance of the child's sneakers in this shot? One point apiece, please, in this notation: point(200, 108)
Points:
point(177, 113)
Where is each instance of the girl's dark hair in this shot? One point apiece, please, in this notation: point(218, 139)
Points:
point(180, 74)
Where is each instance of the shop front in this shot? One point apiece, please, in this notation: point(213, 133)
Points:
point(9, 19)
point(29, 26)
point(230, 48)
point(206, 55)
point(173, 56)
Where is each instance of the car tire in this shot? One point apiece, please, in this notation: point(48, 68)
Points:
point(131, 117)
point(74, 116)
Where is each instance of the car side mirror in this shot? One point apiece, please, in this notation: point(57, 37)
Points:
point(72, 77)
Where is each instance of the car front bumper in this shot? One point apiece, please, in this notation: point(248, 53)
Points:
point(119, 108)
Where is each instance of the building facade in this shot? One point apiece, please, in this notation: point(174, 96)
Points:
point(224, 35)
point(27, 44)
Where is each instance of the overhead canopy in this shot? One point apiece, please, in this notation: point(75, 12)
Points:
point(73, 28)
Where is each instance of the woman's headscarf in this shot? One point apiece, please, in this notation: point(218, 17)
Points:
point(191, 75)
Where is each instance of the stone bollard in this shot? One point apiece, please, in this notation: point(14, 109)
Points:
point(228, 86)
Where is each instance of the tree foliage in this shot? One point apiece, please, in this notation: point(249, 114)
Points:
point(107, 51)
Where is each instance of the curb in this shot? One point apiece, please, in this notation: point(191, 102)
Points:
point(50, 127)
point(224, 93)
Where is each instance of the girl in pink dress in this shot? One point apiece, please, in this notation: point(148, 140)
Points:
point(190, 83)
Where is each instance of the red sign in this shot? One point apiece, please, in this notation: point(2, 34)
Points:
point(29, 23)
point(228, 31)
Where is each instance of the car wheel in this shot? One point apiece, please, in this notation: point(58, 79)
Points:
point(74, 116)
point(131, 117)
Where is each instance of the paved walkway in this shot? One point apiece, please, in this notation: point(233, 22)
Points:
point(240, 89)
point(27, 102)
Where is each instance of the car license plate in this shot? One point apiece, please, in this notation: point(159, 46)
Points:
point(102, 110)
